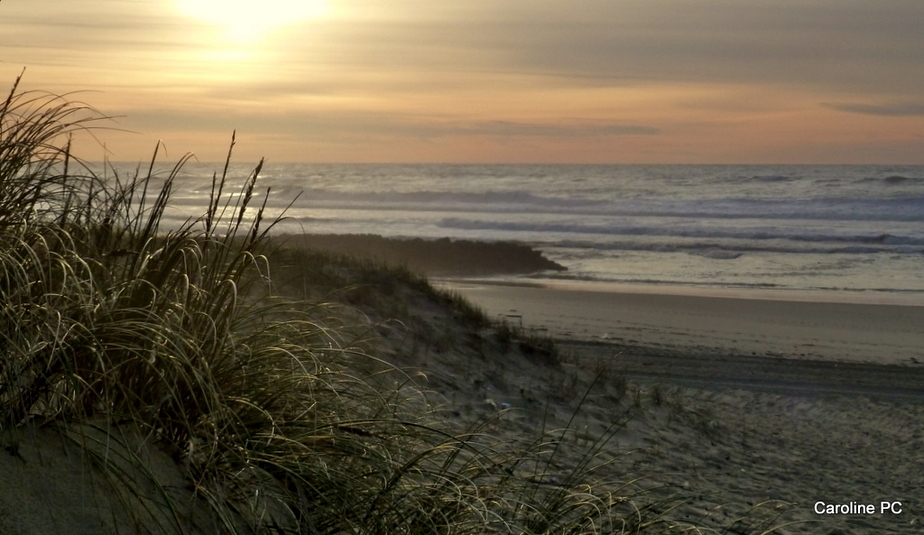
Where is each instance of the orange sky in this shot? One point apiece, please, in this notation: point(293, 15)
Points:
point(621, 81)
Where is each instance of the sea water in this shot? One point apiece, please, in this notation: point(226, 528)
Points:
point(852, 230)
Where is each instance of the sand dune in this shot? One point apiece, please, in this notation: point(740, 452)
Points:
point(741, 414)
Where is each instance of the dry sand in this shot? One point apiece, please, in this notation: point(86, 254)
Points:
point(751, 401)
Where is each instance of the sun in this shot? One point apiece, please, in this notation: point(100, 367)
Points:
point(245, 20)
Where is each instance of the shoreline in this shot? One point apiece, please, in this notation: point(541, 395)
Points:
point(513, 263)
point(696, 325)
point(856, 297)
point(519, 264)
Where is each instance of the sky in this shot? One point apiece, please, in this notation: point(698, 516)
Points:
point(492, 81)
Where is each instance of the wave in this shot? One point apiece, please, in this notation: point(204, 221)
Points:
point(895, 209)
point(724, 284)
point(773, 178)
point(661, 282)
point(748, 195)
point(722, 251)
point(488, 201)
point(894, 180)
point(752, 235)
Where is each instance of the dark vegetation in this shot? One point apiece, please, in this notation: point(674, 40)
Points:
point(441, 257)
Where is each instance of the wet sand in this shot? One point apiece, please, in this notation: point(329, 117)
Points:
point(705, 325)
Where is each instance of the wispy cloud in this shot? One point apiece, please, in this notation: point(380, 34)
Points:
point(549, 130)
point(895, 109)
point(324, 123)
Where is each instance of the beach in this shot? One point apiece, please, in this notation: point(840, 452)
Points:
point(763, 406)
point(774, 325)
point(751, 401)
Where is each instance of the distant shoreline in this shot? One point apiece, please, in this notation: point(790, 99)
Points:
point(851, 297)
point(434, 257)
point(515, 264)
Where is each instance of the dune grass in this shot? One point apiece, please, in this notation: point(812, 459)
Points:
point(123, 335)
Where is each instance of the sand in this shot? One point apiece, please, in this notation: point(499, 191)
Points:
point(707, 325)
point(805, 405)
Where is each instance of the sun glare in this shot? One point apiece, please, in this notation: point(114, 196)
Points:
point(248, 19)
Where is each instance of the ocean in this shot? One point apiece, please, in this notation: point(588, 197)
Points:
point(854, 231)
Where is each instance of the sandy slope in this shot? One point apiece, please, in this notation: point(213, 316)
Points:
point(50, 484)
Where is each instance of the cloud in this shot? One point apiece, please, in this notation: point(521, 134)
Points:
point(849, 45)
point(508, 128)
point(537, 71)
point(368, 125)
point(844, 45)
point(895, 109)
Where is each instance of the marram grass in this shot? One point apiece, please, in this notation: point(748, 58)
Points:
point(126, 336)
